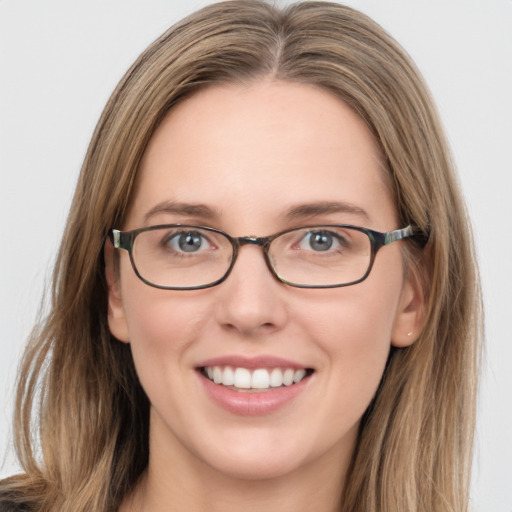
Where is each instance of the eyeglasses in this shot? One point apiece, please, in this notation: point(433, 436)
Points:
point(188, 257)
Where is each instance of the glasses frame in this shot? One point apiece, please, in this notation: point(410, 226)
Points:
point(126, 239)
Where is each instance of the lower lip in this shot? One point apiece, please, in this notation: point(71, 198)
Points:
point(252, 403)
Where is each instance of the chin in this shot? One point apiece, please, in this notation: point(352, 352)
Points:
point(259, 468)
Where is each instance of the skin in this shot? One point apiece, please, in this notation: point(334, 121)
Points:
point(251, 153)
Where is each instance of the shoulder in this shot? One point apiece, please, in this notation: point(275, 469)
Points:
point(13, 502)
point(7, 505)
point(14, 494)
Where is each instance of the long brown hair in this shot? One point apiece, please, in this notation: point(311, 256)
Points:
point(82, 418)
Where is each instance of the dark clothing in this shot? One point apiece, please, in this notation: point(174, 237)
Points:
point(10, 506)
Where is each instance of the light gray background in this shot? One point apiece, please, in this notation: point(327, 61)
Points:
point(59, 61)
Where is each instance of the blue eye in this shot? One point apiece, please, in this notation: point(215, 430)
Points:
point(187, 241)
point(320, 241)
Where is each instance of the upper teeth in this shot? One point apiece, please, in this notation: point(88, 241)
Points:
point(260, 378)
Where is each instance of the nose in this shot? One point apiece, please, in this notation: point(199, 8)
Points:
point(251, 301)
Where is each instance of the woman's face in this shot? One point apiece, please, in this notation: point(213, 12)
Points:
point(255, 160)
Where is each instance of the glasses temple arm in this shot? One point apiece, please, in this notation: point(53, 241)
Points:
point(408, 232)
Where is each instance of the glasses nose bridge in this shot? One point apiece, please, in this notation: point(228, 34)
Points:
point(259, 241)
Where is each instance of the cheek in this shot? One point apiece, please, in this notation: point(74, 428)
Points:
point(356, 340)
point(162, 327)
point(354, 331)
point(356, 320)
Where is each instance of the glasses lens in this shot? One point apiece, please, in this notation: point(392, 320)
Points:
point(181, 256)
point(321, 256)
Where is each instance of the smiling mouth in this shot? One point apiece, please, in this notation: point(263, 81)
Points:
point(254, 380)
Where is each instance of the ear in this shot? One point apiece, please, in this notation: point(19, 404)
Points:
point(116, 313)
point(410, 313)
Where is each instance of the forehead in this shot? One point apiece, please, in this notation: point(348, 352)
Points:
point(260, 149)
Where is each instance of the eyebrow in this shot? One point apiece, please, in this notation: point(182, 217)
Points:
point(323, 208)
point(183, 209)
point(296, 212)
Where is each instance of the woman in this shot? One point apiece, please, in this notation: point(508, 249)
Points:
point(266, 294)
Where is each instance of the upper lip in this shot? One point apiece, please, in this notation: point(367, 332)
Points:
point(252, 362)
